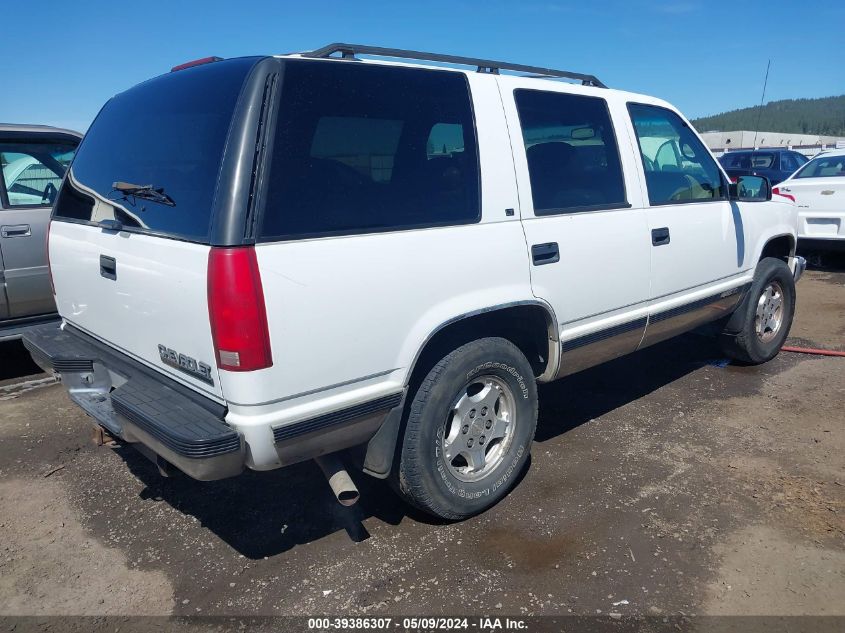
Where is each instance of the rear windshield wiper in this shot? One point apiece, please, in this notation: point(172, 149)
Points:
point(145, 192)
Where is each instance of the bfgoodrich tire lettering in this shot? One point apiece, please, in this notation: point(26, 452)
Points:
point(469, 431)
point(766, 315)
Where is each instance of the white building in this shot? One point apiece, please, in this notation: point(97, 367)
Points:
point(807, 144)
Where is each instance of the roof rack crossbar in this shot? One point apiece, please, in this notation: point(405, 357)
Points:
point(348, 51)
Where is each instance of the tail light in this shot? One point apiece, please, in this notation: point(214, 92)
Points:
point(236, 310)
point(777, 192)
point(49, 268)
point(734, 179)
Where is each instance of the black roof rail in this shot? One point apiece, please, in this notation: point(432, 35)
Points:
point(348, 51)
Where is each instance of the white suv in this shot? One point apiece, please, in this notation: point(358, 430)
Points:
point(264, 260)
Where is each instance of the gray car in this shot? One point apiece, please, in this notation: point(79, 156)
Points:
point(33, 159)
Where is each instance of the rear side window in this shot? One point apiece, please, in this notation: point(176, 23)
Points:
point(749, 160)
point(169, 133)
point(573, 159)
point(363, 148)
point(32, 172)
point(678, 168)
point(736, 161)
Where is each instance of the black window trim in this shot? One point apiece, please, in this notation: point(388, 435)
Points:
point(4, 197)
point(587, 208)
point(362, 231)
point(724, 197)
point(625, 204)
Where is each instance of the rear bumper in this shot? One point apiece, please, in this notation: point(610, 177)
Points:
point(16, 328)
point(130, 402)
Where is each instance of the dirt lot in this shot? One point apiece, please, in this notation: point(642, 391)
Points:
point(662, 483)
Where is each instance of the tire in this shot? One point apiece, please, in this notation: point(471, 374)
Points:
point(481, 393)
point(742, 340)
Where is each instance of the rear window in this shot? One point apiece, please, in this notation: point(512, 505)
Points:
point(168, 132)
point(747, 160)
point(364, 148)
point(823, 167)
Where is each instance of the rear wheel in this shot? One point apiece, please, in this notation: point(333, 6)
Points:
point(469, 430)
point(765, 315)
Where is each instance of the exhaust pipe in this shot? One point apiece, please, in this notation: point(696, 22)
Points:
point(341, 483)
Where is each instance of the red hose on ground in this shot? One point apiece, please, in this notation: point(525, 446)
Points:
point(810, 350)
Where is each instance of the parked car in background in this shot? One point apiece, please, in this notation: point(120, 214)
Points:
point(818, 189)
point(774, 164)
point(33, 160)
point(355, 254)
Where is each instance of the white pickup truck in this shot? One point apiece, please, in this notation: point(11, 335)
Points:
point(264, 260)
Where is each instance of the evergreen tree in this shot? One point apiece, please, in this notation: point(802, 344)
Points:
point(825, 116)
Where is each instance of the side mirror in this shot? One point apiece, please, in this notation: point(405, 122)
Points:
point(751, 189)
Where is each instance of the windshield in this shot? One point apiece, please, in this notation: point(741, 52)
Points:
point(167, 134)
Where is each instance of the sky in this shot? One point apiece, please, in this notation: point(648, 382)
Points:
point(64, 60)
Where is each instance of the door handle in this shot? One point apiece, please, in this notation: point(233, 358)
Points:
point(15, 230)
point(548, 253)
point(108, 267)
point(660, 236)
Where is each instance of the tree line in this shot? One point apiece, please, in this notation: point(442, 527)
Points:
point(824, 116)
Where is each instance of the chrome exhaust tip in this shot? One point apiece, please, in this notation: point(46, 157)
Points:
point(341, 483)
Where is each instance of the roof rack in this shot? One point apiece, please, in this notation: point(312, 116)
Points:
point(348, 51)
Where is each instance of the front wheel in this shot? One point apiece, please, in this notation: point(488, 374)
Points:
point(469, 430)
point(764, 317)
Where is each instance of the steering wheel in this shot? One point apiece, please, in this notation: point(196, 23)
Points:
point(49, 194)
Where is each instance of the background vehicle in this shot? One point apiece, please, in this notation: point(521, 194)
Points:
point(33, 160)
point(774, 164)
point(818, 189)
point(387, 257)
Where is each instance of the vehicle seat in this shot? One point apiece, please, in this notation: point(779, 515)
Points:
point(558, 179)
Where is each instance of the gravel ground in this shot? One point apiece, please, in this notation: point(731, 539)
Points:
point(661, 483)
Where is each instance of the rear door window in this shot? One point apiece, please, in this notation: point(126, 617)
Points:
point(570, 146)
point(168, 132)
point(32, 172)
point(363, 148)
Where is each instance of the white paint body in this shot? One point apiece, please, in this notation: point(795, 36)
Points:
point(820, 202)
point(348, 314)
